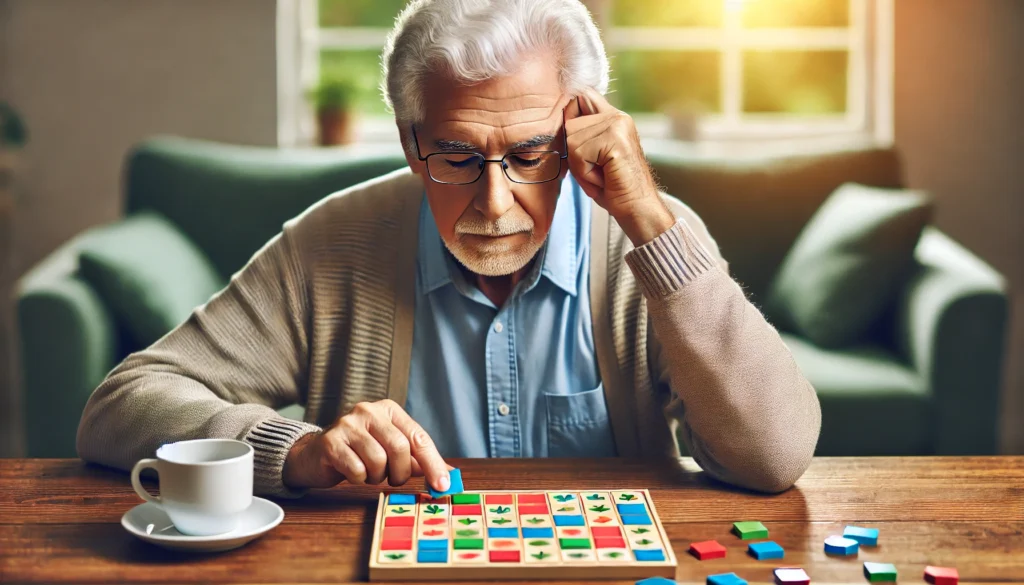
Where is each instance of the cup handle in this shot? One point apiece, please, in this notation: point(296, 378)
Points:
point(143, 464)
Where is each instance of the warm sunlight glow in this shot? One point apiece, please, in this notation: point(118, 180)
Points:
point(733, 6)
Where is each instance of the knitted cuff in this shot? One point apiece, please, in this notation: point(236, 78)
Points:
point(666, 263)
point(271, 440)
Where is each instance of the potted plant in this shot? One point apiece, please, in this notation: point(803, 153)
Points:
point(334, 99)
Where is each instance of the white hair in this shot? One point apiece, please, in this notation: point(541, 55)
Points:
point(470, 41)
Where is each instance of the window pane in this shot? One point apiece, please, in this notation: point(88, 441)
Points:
point(364, 68)
point(667, 13)
point(652, 81)
point(794, 82)
point(377, 13)
point(776, 13)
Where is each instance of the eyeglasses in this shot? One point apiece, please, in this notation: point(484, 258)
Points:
point(466, 167)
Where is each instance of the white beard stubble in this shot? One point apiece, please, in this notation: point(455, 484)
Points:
point(495, 258)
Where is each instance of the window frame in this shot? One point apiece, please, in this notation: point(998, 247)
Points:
point(868, 40)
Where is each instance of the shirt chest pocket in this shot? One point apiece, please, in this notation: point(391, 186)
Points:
point(578, 425)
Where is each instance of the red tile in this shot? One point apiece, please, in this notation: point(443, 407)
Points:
point(467, 510)
point(502, 499)
point(617, 542)
point(399, 521)
point(504, 556)
point(941, 575)
point(396, 545)
point(426, 499)
point(605, 531)
point(397, 533)
point(708, 549)
point(533, 509)
point(434, 521)
point(532, 499)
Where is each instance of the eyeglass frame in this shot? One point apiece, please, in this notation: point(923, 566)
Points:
point(504, 167)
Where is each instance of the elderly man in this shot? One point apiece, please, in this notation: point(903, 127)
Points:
point(522, 290)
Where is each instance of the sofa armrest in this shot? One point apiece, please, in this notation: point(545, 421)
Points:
point(951, 324)
point(67, 342)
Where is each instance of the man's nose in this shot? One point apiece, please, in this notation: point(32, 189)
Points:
point(495, 196)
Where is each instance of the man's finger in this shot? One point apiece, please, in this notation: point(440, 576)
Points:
point(572, 109)
point(423, 450)
point(594, 103)
point(396, 445)
point(373, 456)
point(345, 461)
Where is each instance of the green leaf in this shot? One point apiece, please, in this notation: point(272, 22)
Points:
point(566, 509)
point(501, 520)
point(641, 531)
point(563, 498)
point(613, 555)
point(538, 543)
point(501, 510)
point(540, 555)
point(627, 497)
point(400, 510)
point(433, 509)
point(534, 520)
point(601, 508)
point(595, 497)
point(467, 532)
point(644, 542)
point(467, 521)
point(577, 555)
point(395, 556)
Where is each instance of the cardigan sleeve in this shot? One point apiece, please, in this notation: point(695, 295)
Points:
point(749, 416)
point(222, 373)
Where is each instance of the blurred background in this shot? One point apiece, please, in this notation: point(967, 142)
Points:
point(752, 111)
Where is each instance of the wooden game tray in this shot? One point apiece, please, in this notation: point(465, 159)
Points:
point(400, 561)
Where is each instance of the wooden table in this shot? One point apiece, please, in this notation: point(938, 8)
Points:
point(59, 521)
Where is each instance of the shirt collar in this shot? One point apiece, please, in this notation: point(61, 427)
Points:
point(559, 258)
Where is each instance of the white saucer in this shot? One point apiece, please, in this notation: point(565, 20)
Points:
point(150, 523)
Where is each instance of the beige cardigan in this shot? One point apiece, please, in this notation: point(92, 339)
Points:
point(322, 316)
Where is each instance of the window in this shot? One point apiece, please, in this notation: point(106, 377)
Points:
point(711, 69)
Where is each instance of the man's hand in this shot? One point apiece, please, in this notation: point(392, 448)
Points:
point(606, 159)
point(377, 440)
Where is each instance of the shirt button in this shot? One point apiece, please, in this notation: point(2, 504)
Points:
point(503, 409)
point(498, 328)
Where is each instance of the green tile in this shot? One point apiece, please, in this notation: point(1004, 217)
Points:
point(880, 571)
point(469, 543)
point(466, 499)
point(571, 543)
point(749, 530)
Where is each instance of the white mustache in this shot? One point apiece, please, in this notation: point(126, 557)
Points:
point(504, 226)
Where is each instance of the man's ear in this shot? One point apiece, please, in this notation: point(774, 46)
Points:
point(409, 149)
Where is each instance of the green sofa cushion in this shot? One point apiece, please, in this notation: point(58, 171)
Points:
point(149, 274)
point(848, 264)
point(871, 402)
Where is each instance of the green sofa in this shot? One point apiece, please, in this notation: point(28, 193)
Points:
point(927, 382)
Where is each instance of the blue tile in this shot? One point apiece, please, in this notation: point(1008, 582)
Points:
point(725, 579)
point(766, 550)
point(538, 532)
point(432, 556)
point(656, 581)
point(631, 509)
point(865, 536)
point(456, 488)
point(649, 555)
point(636, 520)
point(502, 533)
point(401, 499)
point(433, 544)
point(569, 521)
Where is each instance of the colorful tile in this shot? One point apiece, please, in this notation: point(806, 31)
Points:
point(502, 533)
point(840, 545)
point(468, 522)
point(615, 542)
point(396, 533)
point(865, 536)
point(504, 556)
point(468, 543)
point(941, 575)
point(456, 487)
point(725, 579)
point(630, 509)
point(749, 530)
point(791, 576)
point(636, 520)
point(533, 509)
point(546, 532)
point(535, 521)
point(649, 555)
point(569, 521)
point(396, 544)
point(707, 550)
point(578, 555)
point(532, 499)
point(605, 531)
point(401, 499)
point(543, 554)
point(433, 544)
point(399, 521)
point(432, 556)
point(614, 555)
point(467, 510)
point(496, 499)
point(574, 543)
point(400, 511)
point(766, 550)
point(465, 498)
point(645, 541)
point(880, 572)
point(395, 557)
point(628, 497)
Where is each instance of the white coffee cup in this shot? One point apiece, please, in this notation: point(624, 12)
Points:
point(205, 484)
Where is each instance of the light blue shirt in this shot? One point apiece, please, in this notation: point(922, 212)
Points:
point(520, 380)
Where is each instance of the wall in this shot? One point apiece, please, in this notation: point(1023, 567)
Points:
point(959, 116)
point(92, 77)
